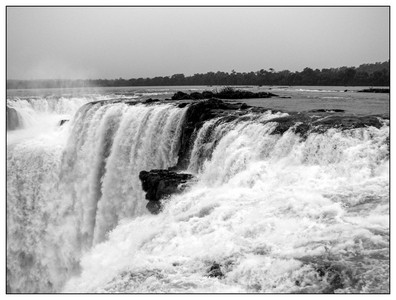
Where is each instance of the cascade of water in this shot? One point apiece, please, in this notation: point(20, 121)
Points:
point(32, 111)
point(276, 213)
point(268, 212)
point(65, 197)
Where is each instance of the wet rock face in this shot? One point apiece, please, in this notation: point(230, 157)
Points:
point(318, 121)
point(13, 119)
point(154, 207)
point(161, 183)
point(199, 112)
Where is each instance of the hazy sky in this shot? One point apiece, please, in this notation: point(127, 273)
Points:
point(146, 42)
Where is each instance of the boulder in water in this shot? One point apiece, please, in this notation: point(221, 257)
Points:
point(61, 122)
point(215, 271)
point(154, 207)
point(161, 183)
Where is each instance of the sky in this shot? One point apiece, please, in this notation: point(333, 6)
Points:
point(133, 42)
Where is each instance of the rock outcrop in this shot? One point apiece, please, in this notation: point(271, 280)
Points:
point(303, 124)
point(13, 119)
point(215, 271)
point(61, 122)
point(226, 93)
point(372, 90)
point(159, 184)
point(199, 112)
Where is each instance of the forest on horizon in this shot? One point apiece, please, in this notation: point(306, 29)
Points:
point(374, 74)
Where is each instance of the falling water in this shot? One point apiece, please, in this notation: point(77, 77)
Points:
point(266, 212)
point(63, 198)
point(275, 213)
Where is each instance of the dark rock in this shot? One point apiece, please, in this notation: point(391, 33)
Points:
point(14, 120)
point(284, 123)
point(181, 96)
point(303, 124)
point(161, 183)
point(244, 106)
point(346, 122)
point(181, 105)
point(327, 110)
point(230, 93)
point(226, 93)
point(207, 94)
point(196, 96)
point(61, 122)
point(197, 113)
point(215, 271)
point(372, 90)
point(151, 100)
point(154, 207)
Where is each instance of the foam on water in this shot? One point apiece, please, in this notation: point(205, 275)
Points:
point(266, 213)
point(277, 213)
point(81, 187)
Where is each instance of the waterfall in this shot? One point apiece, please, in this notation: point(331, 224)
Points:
point(266, 212)
point(65, 197)
point(275, 213)
point(31, 112)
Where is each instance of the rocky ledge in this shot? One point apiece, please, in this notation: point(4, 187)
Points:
point(199, 112)
point(371, 90)
point(303, 124)
point(226, 93)
point(159, 184)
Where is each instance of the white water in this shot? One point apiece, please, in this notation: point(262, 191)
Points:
point(269, 209)
point(65, 196)
point(41, 115)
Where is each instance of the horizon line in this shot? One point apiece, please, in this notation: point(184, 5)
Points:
point(64, 79)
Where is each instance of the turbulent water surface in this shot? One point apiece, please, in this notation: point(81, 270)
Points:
point(267, 213)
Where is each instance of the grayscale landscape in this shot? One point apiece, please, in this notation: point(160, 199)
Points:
point(198, 150)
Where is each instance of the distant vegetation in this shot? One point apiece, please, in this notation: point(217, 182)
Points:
point(365, 75)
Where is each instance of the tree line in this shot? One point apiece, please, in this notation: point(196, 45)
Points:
point(377, 74)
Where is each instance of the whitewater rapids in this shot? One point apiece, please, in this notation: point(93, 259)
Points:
point(275, 213)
